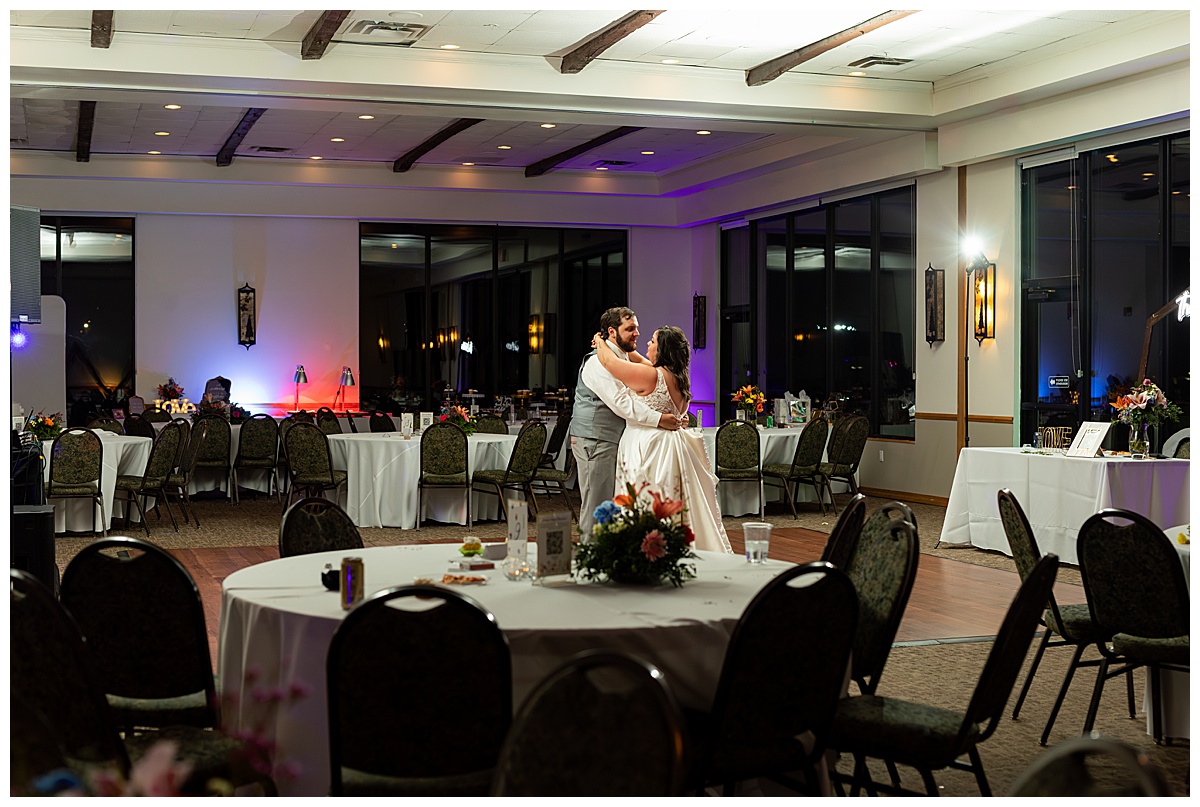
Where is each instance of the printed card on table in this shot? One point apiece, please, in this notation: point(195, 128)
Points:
point(518, 527)
point(426, 420)
point(1088, 439)
point(406, 424)
point(553, 546)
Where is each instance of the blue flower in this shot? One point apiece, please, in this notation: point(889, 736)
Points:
point(56, 781)
point(605, 512)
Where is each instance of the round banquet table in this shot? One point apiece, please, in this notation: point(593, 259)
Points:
point(122, 456)
point(277, 622)
point(1176, 701)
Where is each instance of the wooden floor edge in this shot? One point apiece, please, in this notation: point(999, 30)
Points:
point(899, 495)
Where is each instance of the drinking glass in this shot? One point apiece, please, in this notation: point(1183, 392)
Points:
point(758, 539)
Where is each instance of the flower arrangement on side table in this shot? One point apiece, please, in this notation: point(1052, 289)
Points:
point(170, 390)
point(46, 427)
point(750, 399)
point(638, 539)
point(1142, 407)
point(232, 412)
point(460, 416)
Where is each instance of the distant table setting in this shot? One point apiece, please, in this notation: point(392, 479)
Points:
point(277, 621)
point(122, 456)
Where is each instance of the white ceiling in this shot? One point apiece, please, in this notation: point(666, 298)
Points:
point(217, 64)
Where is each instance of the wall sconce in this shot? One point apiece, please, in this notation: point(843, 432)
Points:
point(452, 335)
point(300, 378)
point(383, 347)
point(535, 334)
point(247, 327)
point(699, 322)
point(347, 380)
point(985, 299)
point(935, 305)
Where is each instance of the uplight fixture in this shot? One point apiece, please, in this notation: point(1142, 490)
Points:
point(347, 380)
point(300, 378)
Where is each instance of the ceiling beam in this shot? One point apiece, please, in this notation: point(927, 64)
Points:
point(319, 36)
point(83, 133)
point(543, 166)
point(102, 22)
point(454, 127)
point(774, 68)
point(225, 155)
point(582, 55)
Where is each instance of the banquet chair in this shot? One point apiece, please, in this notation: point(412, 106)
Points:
point(258, 449)
point(316, 525)
point(76, 466)
point(805, 465)
point(284, 425)
point(108, 424)
point(444, 461)
point(1183, 451)
point(327, 421)
point(522, 464)
point(1138, 595)
point(157, 416)
point(216, 448)
point(553, 482)
point(309, 461)
point(392, 673)
point(1064, 771)
point(846, 443)
point(163, 457)
point(558, 438)
point(179, 479)
point(488, 423)
point(135, 409)
point(931, 738)
point(35, 748)
point(783, 674)
point(304, 416)
point(739, 456)
point(1071, 623)
point(845, 532)
point(138, 426)
point(381, 422)
point(604, 724)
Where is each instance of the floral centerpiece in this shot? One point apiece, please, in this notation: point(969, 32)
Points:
point(460, 416)
point(638, 539)
point(1142, 407)
point(45, 427)
point(750, 399)
point(234, 413)
point(170, 390)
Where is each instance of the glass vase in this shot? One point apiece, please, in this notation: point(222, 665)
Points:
point(1139, 440)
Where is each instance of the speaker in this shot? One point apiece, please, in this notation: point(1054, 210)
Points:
point(25, 263)
point(33, 542)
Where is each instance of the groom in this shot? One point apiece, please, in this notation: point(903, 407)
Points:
point(602, 405)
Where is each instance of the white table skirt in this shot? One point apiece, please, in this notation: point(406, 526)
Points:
point(205, 479)
point(382, 471)
point(123, 456)
point(1057, 493)
point(277, 622)
point(1177, 699)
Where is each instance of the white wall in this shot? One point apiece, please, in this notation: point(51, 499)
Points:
point(39, 369)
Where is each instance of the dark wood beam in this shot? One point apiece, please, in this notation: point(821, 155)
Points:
point(101, 29)
point(774, 68)
point(604, 39)
point(83, 133)
point(408, 160)
point(225, 155)
point(319, 36)
point(543, 166)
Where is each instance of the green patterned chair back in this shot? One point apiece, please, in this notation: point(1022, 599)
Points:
point(562, 427)
point(164, 455)
point(185, 428)
point(527, 452)
point(1132, 577)
point(847, 442)
point(845, 533)
point(191, 449)
point(308, 452)
point(258, 438)
point(215, 448)
point(284, 426)
point(443, 450)
point(882, 564)
point(138, 426)
point(737, 447)
point(157, 416)
point(381, 422)
point(491, 424)
point(810, 446)
point(1183, 451)
point(304, 416)
point(76, 458)
point(316, 525)
point(144, 622)
point(108, 424)
point(327, 421)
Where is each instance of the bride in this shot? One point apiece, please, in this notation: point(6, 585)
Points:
point(674, 462)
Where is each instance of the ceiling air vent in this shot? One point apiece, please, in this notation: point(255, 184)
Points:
point(369, 32)
point(270, 149)
point(599, 163)
point(875, 61)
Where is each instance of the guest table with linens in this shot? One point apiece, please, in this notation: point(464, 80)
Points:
point(205, 479)
point(122, 456)
point(1176, 684)
point(277, 622)
point(1058, 493)
point(381, 479)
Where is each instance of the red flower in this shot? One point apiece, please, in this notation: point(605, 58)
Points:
point(664, 508)
point(653, 545)
point(688, 534)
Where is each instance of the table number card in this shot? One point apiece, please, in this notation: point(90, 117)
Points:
point(406, 424)
point(1088, 439)
point(518, 528)
point(553, 547)
point(426, 420)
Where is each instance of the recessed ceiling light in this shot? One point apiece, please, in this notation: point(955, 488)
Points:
point(601, 167)
point(1148, 174)
point(315, 157)
point(1112, 158)
point(154, 152)
point(859, 73)
point(337, 140)
point(366, 117)
point(549, 125)
point(468, 163)
point(703, 132)
point(670, 61)
point(504, 147)
point(162, 134)
point(172, 106)
point(647, 152)
point(448, 47)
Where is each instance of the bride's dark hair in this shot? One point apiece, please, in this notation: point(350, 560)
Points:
point(675, 354)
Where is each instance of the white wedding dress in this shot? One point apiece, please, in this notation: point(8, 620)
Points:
point(676, 465)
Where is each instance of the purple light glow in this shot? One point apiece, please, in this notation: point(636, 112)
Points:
point(17, 338)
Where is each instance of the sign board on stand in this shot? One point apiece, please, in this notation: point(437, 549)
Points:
point(554, 548)
point(1088, 439)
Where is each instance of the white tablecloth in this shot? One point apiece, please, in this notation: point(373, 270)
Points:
point(1058, 493)
point(277, 620)
point(123, 456)
point(381, 479)
point(205, 479)
point(1177, 699)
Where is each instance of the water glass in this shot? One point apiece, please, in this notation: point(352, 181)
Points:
point(758, 539)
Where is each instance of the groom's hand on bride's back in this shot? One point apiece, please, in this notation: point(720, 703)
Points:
point(670, 422)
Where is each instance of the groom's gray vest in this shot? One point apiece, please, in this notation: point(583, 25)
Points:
point(590, 417)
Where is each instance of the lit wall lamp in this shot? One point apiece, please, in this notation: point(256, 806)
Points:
point(985, 299)
point(347, 380)
point(535, 334)
point(300, 378)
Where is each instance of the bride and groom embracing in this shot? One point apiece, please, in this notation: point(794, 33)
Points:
point(626, 426)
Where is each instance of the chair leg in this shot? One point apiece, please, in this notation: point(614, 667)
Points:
point(895, 774)
point(167, 503)
point(233, 485)
point(1037, 657)
point(1062, 691)
point(762, 501)
point(1156, 721)
point(791, 499)
point(141, 511)
point(1129, 693)
point(980, 776)
point(186, 499)
point(931, 787)
point(470, 523)
point(103, 521)
point(1096, 690)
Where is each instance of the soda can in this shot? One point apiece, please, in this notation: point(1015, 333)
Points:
point(352, 590)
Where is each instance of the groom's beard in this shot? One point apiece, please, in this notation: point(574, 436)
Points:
point(626, 347)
